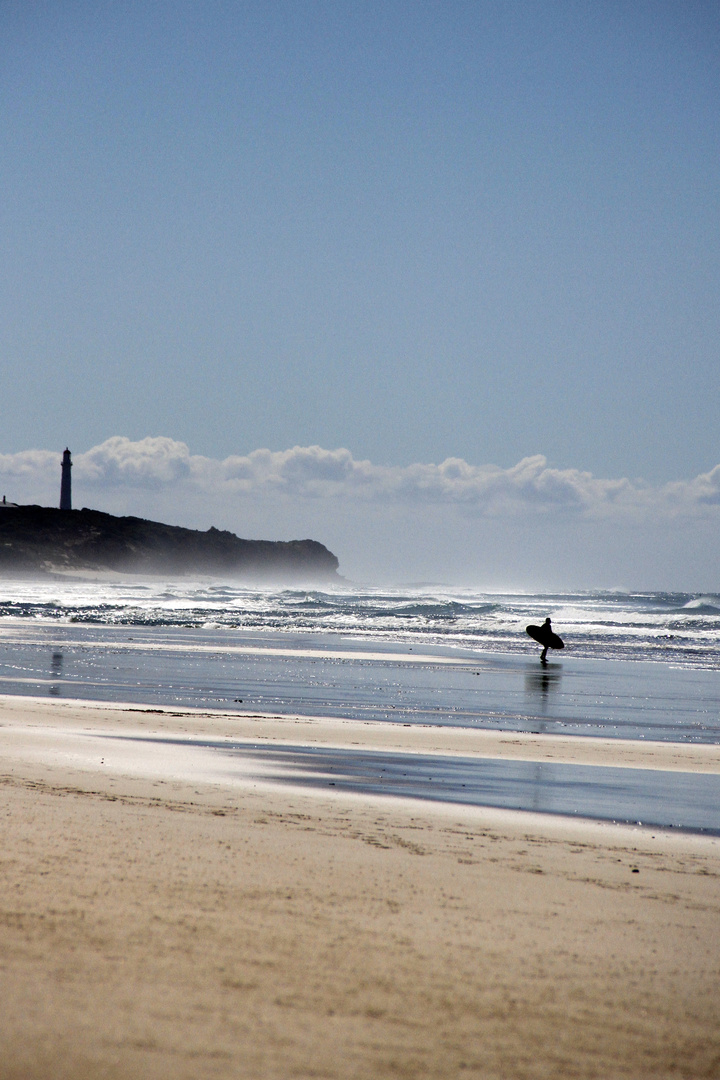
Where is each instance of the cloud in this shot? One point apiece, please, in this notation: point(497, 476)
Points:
point(704, 490)
point(312, 473)
point(150, 462)
point(28, 465)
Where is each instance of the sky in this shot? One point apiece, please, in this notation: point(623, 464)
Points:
point(436, 283)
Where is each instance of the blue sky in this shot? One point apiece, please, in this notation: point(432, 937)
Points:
point(417, 231)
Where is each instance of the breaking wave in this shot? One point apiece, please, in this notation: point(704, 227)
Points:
point(679, 628)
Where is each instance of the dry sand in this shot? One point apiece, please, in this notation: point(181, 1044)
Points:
point(156, 926)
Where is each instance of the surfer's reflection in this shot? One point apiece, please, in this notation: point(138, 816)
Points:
point(538, 778)
point(541, 681)
point(56, 665)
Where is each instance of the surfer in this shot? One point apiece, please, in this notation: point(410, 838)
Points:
point(546, 637)
point(547, 627)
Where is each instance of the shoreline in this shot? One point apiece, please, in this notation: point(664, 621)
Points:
point(356, 644)
point(364, 681)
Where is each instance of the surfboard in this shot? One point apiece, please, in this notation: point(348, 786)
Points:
point(546, 638)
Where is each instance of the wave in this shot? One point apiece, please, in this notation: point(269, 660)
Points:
point(703, 605)
point(681, 628)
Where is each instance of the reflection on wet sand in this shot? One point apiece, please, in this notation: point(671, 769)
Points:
point(56, 670)
point(538, 684)
point(542, 680)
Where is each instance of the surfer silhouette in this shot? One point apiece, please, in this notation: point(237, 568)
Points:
point(546, 637)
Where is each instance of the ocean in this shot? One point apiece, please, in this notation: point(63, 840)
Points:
point(670, 628)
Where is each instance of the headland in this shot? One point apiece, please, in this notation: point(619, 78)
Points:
point(44, 540)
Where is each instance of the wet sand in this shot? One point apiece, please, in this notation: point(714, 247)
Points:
point(336, 676)
point(155, 925)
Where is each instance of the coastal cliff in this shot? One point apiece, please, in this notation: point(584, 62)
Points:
point(39, 539)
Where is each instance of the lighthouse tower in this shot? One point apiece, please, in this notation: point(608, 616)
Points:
point(65, 484)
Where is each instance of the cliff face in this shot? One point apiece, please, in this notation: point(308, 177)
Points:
point(42, 539)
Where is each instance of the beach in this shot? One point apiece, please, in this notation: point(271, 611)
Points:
point(359, 522)
point(163, 916)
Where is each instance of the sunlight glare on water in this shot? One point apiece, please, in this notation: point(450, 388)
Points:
point(673, 627)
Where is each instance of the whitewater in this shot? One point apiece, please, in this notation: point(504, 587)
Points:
point(676, 628)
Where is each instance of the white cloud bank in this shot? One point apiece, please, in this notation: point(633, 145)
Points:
point(529, 526)
point(310, 472)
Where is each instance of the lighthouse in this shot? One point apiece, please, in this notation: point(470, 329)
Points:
point(65, 483)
